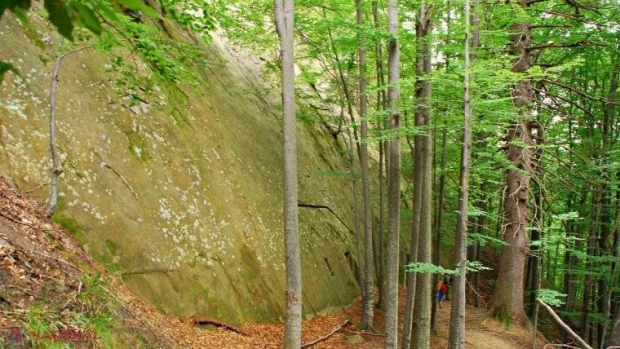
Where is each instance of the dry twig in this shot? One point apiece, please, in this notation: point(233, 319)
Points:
point(346, 322)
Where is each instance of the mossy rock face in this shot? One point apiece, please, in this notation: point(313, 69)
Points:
point(193, 219)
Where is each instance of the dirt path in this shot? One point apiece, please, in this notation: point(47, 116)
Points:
point(481, 332)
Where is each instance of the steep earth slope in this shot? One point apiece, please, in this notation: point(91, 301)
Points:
point(175, 189)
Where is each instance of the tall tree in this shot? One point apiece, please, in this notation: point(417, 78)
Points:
point(391, 304)
point(284, 19)
point(383, 158)
point(508, 294)
point(457, 314)
point(368, 288)
point(421, 330)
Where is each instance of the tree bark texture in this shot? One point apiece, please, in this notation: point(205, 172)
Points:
point(410, 278)
point(456, 339)
point(368, 296)
point(381, 105)
point(284, 10)
point(508, 296)
point(421, 330)
point(391, 315)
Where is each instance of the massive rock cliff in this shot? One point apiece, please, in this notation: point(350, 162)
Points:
point(176, 189)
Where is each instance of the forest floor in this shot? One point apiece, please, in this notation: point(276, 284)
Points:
point(45, 296)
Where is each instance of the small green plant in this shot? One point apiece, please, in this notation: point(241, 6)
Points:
point(551, 297)
point(96, 317)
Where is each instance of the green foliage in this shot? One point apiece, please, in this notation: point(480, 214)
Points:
point(429, 268)
point(551, 297)
point(138, 5)
point(86, 16)
point(98, 315)
point(64, 14)
point(59, 16)
point(192, 15)
point(476, 266)
point(91, 313)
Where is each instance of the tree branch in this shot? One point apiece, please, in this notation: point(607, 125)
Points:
point(56, 170)
point(563, 325)
point(580, 43)
point(346, 322)
point(205, 320)
point(581, 93)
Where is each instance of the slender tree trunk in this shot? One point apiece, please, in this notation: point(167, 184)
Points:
point(571, 281)
point(53, 202)
point(441, 192)
point(532, 263)
point(391, 316)
point(353, 144)
point(56, 168)
point(413, 247)
point(603, 250)
point(605, 294)
point(368, 301)
point(456, 338)
point(284, 10)
point(421, 330)
point(381, 105)
point(439, 220)
point(533, 280)
point(589, 281)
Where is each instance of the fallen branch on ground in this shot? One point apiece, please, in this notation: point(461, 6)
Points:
point(365, 333)
point(346, 322)
point(204, 320)
point(564, 326)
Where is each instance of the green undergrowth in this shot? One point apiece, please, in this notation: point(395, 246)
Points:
point(72, 320)
point(89, 317)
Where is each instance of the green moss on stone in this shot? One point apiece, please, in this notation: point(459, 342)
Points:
point(32, 34)
point(71, 225)
point(137, 146)
point(178, 120)
point(111, 246)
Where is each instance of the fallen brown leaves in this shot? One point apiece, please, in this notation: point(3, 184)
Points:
point(41, 267)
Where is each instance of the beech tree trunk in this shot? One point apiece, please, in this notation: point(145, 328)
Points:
point(368, 296)
point(383, 161)
point(410, 278)
point(424, 289)
point(456, 339)
point(284, 10)
point(391, 304)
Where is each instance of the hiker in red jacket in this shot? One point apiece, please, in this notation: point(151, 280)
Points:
point(442, 290)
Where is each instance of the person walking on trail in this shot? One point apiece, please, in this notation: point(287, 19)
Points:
point(442, 290)
point(448, 284)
